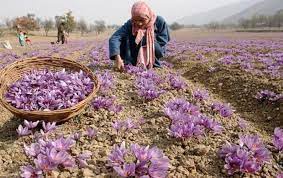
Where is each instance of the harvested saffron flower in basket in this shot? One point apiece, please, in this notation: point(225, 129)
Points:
point(45, 90)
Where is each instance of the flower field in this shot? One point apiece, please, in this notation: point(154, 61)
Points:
point(213, 110)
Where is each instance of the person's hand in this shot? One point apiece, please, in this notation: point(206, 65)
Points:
point(119, 64)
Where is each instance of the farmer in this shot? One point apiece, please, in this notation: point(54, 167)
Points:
point(61, 33)
point(27, 39)
point(141, 40)
point(21, 37)
point(66, 36)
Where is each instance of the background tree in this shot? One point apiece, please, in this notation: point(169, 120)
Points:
point(100, 26)
point(244, 23)
point(9, 23)
point(213, 26)
point(27, 23)
point(47, 25)
point(176, 26)
point(278, 19)
point(82, 26)
point(70, 22)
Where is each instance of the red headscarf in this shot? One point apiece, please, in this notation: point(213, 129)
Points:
point(146, 56)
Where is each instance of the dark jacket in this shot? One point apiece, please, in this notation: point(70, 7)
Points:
point(122, 42)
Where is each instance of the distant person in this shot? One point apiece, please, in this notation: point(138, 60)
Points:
point(141, 40)
point(61, 33)
point(21, 37)
point(66, 36)
point(27, 40)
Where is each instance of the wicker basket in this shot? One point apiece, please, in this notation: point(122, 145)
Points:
point(14, 72)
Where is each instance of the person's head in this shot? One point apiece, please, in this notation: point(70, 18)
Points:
point(141, 14)
point(25, 33)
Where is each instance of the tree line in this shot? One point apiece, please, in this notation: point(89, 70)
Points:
point(30, 22)
point(256, 21)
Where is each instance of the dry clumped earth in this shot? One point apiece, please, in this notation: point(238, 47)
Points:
point(188, 158)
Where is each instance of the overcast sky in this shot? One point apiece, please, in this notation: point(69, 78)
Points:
point(112, 11)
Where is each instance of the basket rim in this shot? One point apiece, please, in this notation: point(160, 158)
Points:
point(9, 107)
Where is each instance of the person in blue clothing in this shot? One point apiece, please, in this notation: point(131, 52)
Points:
point(141, 41)
point(21, 38)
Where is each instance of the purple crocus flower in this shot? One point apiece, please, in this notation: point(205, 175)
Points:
point(107, 82)
point(42, 162)
point(77, 135)
point(216, 127)
point(265, 95)
point(118, 125)
point(127, 170)
point(63, 144)
point(149, 92)
point(178, 107)
point(242, 124)
point(176, 82)
point(30, 172)
point(116, 108)
point(82, 159)
point(278, 139)
point(247, 157)
point(33, 150)
point(126, 125)
point(141, 121)
point(208, 123)
point(279, 175)
point(23, 131)
point(107, 103)
point(187, 122)
point(116, 158)
point(226, 111)
point(103, 102)
point(31, 124)
point(228, 149)
point(159, 167)
point(133, 69)
point(49, 126)
point(201, 95)
point(166, 64)
point(150, 75)
point(91, 132)
point(236, 161)
point(57, 157)
point(223, 109)
point(251, 166)
point(147, 85)
point(140, 152)
point(69, 162)
point(251, 141)
point(146, 162)
point(130, 124)
point(216, 106)
point(187, 130)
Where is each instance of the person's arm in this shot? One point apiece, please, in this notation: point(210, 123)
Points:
point(116, 38)
point(162, 37)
